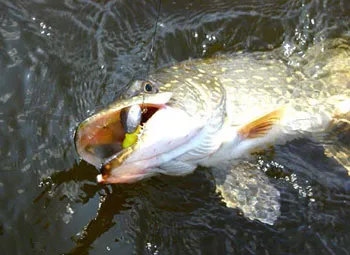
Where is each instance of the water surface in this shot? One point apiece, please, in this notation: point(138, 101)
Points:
point(60, 61)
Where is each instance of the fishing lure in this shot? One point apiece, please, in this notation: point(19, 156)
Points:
point(130, 118)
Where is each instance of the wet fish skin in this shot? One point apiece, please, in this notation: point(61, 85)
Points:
point(222, 94)
point(214, 112)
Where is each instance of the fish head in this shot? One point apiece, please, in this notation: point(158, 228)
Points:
point(175, 114)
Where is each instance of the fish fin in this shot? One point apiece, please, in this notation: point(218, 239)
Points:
point(261, 126)
point(340, 153)
point(244, 186)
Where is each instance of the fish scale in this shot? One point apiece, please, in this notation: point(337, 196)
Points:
point(215, 112)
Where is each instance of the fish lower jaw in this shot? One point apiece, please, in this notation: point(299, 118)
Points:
point(129, 178)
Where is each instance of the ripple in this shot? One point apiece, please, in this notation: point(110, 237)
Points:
point(61, 61)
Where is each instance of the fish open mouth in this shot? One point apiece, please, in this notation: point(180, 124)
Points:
point(100, 137)
point(168, 132)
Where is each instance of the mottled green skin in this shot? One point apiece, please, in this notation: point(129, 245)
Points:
point(252, 84)
point(240, 87)
point(226, 91)
point(258, 82)
point(234, 89)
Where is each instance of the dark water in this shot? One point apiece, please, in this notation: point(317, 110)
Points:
point(62, 60)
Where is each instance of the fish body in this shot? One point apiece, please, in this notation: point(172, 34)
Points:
point(215, 111)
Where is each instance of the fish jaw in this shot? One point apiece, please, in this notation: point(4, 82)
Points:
point(131, 177)
point(100, 136)
point(169, 133)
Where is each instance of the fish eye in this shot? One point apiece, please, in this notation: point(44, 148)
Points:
point(147, 86)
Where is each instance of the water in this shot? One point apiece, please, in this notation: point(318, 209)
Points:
point(62, 60)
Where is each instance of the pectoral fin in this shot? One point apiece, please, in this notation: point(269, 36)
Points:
point(261, 126)
point(246, 187)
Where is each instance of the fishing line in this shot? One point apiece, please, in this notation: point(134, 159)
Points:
point(152, 47)
point(154, 34)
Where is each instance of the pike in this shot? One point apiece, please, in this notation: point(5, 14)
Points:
point(215, 112)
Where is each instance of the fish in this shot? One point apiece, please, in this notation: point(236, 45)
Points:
point(216, 113)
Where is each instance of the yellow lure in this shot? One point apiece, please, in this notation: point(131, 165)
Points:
point(131, 139)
